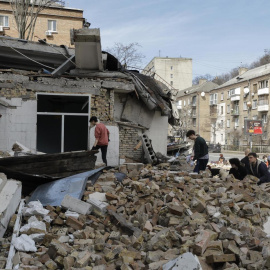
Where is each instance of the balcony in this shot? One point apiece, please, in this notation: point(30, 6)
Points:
point(194, 114)
point(263, 91)
point(213, 112)
point(263, 105)
point(235, 94)
point(235, 98)
point(235, 113)
point(193, 104)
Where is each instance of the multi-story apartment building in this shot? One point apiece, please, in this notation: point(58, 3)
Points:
point(194, 110)
point(244, 97)
point(176, 73)
point(53, 23)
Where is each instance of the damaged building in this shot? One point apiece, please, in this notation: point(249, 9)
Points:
point(48, 93)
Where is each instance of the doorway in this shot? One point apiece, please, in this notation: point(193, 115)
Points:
point(62, 122)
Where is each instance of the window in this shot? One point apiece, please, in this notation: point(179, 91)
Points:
point(213, 99)
point(255, 87)
point(263, 100)
point(236, 122)
point(228, 123)
point(221, 124)
point(264, 118)
point(222, 96)
point(52, 25)
point(229, 94)
point(245, 106)
point(221, 137)
point(221, 110)
point(4, 21)
point(194, 100)
point(228, 108)
point(254, 104)
point(171, 67)
point(255, 117)
point(171, 75)
point(263, 84)
point(194, 122)
point(171, 82)
point(184, 103)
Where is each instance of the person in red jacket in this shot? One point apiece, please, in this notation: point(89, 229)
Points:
point(102, 138)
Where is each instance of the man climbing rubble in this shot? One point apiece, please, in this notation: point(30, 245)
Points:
point(200, 151)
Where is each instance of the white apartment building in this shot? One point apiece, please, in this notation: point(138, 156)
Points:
point(176, 73)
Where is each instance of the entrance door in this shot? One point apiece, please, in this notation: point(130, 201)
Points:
point(62, 123)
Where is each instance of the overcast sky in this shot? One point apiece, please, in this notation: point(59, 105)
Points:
point(217, 34)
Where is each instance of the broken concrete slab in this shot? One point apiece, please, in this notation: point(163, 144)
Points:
point(76, 205)
point(10, 197)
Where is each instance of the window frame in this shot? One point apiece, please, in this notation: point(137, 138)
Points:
point(51, 23)
point(5, 19)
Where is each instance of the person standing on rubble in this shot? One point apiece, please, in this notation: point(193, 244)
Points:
point(258, 169)
point(245, 160)
point(200, 151)
point(102, 138)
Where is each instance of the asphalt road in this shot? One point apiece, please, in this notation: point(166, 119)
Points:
point(215, 156)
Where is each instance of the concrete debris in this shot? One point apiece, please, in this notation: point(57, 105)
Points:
point(186, 261)
point(35, 208)
point(76, 205)
point(154, 218)
point(24, 243)
point(10, 197)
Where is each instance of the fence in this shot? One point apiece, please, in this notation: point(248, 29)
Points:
point(257, 148)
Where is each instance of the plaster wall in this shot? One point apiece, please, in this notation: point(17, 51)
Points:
point(113, 147)
point(18, 124)
point(158, 133)
point(175, 71)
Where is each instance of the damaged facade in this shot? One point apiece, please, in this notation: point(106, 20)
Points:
point(50, 112)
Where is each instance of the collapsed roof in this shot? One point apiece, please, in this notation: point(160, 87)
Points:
point(59, 61)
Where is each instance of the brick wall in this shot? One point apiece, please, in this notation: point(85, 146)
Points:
point(102, 106)
point(66, 19)
point(129, 138)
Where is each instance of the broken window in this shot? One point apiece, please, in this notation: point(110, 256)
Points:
point(62, 123)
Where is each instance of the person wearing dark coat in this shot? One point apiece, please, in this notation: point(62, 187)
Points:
point(258, 169)
point(238, 171)
point(200, 151)
point(245, 160)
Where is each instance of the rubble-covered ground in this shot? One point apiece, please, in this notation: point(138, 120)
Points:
point(150, 218)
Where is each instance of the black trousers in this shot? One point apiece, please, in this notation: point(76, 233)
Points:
point(103, 152)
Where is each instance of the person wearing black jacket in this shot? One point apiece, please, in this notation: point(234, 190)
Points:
point(245, 160)
point(258, 169)
point(238, 171)
point(200, 151)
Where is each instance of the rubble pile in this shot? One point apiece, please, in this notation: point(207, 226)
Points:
point(153, 219)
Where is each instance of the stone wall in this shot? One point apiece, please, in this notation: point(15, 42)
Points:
point(102, 105)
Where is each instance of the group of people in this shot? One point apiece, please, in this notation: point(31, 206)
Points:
point(250, 164)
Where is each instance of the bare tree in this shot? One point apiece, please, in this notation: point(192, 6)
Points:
point(197, 79)
point(127, 55)
point(26, 12)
